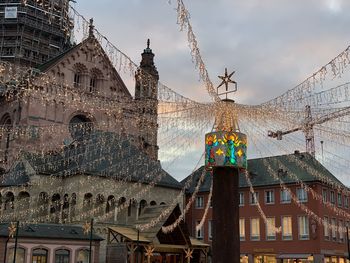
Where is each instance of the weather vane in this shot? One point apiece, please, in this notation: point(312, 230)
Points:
point(226, 79)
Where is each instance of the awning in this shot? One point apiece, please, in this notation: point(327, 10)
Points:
point(294, 256)
point(129, 233)
point(197, 243)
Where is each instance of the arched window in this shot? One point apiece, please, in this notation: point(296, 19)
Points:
point(96, 77)
point(23, 199)
point(152, 203)
point(9, 201)
point(83, 256)
point(62, 256)
point(20, 255)
point(87, 201)
point(80, 127)
point(39, 255)
point(79, 71)
point(111, 203)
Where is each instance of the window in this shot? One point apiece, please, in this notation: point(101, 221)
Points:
point(200, 232)
point(62, 256)
point(254, 229)
point(303, 225)
point(210, 229)
point(332, 197)
point(254, 198)
point(270, 228)
point(302, 195)
point(341, 230)
point(326, 228)
point(241, 199)
point(269, 197)
point(199, 202)
point(324, 195)
point(20, 255)
point(83, 256)
point(334, 229)
point(285, 196)
point(287, 228)
point(346, 201)
point(340, 201)
point(39, 255)
point(93, 84)
point(77, 79)
point(242, 229)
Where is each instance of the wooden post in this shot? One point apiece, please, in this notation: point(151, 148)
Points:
point(225, 244)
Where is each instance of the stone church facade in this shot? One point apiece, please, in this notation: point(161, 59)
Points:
point(89, 161)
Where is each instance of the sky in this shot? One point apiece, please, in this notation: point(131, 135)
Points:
point(273, 45)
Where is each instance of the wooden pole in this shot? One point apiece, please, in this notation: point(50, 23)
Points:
point(91, 230)
point(16, 242)
point(225, 244)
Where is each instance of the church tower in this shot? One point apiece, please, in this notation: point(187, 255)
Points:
point(146, 98)
point(34, 31)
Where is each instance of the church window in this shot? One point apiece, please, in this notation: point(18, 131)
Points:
point(77, 79)
point(9, 201)
point(80, 127)
point(93, 82)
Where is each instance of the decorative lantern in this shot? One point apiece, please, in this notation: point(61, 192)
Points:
point(225, 149)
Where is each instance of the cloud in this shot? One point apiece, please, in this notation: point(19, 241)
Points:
point(273, 45)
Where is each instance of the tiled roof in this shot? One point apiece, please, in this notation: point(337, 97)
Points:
point(49, 231)
point(104, 154)
point(260, 176)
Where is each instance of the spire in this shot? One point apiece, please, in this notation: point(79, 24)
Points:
point(91, 27)
point(148, 50)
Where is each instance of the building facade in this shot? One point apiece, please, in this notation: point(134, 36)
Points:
point(48, 243)
point(290, 234)
point(89, 149)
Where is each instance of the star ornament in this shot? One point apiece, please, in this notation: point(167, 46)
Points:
point(86, 228)
point(188, 253)
point(226, 79)
point(149, 251)
point(12, 230)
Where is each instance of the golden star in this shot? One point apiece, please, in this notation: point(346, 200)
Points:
point(226, 79)
point(188, 253)
point(86, 228)
point(219, 152)
point(239, 152)
point(149, 251)
point(12, 230)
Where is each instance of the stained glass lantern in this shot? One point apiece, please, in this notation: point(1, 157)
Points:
point(225, 149)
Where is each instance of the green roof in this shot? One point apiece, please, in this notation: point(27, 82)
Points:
point(49, 231)
point(125, 162)
point(293, 164)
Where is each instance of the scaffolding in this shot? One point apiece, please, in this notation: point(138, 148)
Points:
point(34, 31)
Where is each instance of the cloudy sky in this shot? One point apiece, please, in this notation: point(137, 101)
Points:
point(272, 44)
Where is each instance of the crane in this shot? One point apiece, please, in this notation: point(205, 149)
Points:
point(307, 126)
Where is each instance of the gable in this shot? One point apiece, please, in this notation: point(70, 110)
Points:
point(90, 61)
